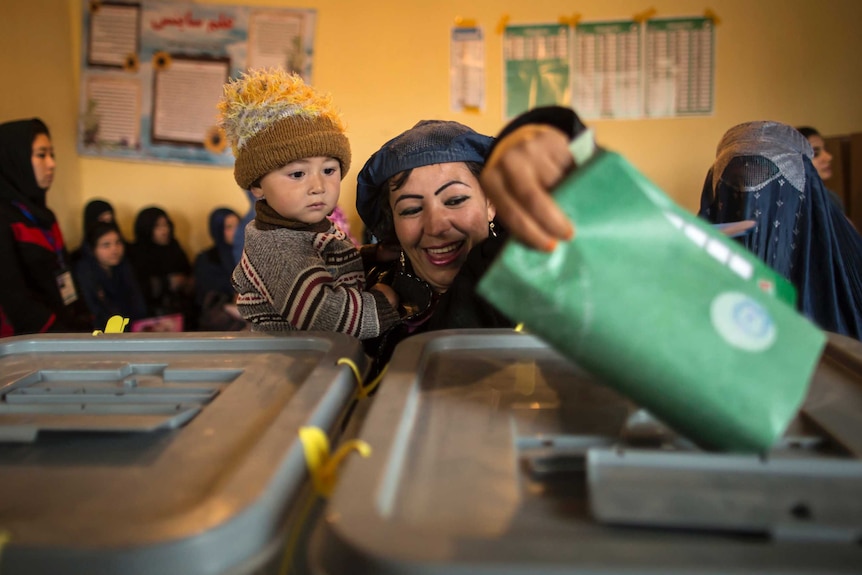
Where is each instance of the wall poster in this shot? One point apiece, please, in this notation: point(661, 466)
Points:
point(608, 77)
point(152, 73)
point(536, 62)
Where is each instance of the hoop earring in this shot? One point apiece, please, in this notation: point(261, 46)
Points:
point(491, 228)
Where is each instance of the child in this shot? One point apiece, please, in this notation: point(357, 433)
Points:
point(106, 279)
point(298, 271)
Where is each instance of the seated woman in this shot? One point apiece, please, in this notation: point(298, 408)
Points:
point(95, 211)
point(421, 192)
point(214, 292)
point(162, 267)
point(763, 171)
point(106, 279)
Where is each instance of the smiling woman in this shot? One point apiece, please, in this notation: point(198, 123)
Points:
point(38, 292)
point(421, 192)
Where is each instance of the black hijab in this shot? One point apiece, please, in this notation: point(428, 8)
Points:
point(150, 258)
point(17, 179)
point(93, 210)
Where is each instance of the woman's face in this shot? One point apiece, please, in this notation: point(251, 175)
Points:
point(43, 161)
point(109, 250)
point(162, 232)
point(230, 224)
point(440, 213)
point(822, 159)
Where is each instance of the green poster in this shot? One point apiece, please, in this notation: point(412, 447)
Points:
point(536, 60)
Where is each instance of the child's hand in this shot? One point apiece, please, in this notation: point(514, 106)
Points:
point(518, 177)
point(387, 291)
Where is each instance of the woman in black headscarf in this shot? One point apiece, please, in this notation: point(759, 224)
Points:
point(162, 267)
point(38, 293)
point(95, 212)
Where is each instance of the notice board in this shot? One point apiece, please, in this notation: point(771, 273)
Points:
point(152, 73)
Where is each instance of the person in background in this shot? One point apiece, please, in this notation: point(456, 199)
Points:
point(298, 271)
point(107, 280)
point(215, 296)
point(38, 292)
point(94, 211)
point(822, 160)
point(764, 171)
point(162, 267)
point(239, 237)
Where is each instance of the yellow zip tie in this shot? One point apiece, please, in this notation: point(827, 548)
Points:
point(501, 25)
point(645, 15)
point(362, 390)
point(570, 20)
point(116, 324)
point(5, 537)
point(710, 15)
point(465, 22)
point(293, 538)
point(322, 466)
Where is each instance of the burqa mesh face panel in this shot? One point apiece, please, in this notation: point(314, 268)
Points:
point(763, 172)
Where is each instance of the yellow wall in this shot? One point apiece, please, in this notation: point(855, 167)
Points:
point(386, 64)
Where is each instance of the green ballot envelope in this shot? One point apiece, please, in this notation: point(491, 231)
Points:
point(663, 308)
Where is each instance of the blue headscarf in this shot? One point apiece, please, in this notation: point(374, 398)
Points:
point(214, 266)
point(428, 142)
point(763, 172)
point(216, 225)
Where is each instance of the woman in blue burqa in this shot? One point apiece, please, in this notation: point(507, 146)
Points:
point(763, 171)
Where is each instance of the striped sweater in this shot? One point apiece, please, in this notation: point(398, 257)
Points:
point(296, 279)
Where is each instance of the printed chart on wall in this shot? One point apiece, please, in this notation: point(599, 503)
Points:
point(679, 67)
point(153, 72)
point(608, 77)
point(536, 63)
point(467, 69)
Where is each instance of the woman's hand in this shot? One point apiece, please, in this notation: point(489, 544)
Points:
point(518, 178)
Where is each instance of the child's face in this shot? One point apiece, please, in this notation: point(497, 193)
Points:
point(305, 190)
point(109, 250)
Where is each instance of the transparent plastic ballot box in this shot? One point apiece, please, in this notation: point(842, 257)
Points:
point(159, 454)
point(494, 454)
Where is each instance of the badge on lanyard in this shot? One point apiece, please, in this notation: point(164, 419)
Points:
point(66, 287)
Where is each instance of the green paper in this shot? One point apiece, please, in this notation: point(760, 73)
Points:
point(665, 309)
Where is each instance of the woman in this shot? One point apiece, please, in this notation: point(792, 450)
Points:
point(106, 279)
point(38, 293)
point(763, 171)
point(421, 192)
point(822, 160)
point(95, 211)
point(162, 267)
point(215, 295)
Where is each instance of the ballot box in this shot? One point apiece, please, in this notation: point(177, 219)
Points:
point(161, 453)
point(492, 453)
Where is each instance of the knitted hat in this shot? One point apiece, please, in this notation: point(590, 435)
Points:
point(428, 142)
point(272, 118)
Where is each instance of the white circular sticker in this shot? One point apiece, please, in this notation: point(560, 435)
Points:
point(742, 322)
